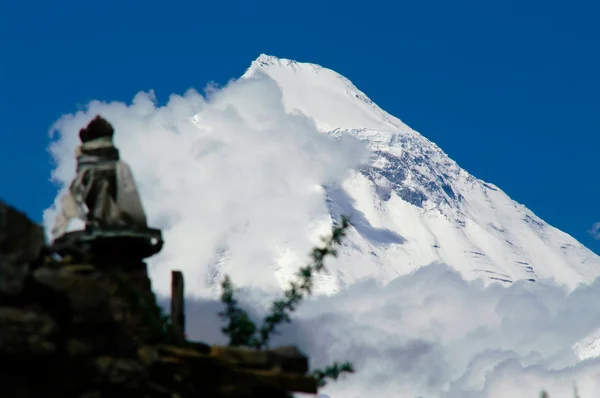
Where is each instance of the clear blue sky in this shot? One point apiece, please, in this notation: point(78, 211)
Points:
point(509, 89)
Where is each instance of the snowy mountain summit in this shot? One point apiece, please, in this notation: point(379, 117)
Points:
point(411, 205)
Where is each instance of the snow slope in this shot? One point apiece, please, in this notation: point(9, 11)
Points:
point(411, 205)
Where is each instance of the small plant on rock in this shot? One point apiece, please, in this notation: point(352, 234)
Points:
point(242, 331)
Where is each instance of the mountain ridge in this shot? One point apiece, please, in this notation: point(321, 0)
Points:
point(432, 209)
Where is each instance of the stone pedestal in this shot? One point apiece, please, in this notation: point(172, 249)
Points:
point(137, 273)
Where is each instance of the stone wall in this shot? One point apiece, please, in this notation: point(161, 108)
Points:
point(78, 329)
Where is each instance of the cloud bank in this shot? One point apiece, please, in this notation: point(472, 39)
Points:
point(225, 174)
point(230, 175)
point(433, 334)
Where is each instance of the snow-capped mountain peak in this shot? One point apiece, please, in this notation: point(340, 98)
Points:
point(412, 205)
point(324, 95)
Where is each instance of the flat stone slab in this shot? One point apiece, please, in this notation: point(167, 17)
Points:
point(107, 244)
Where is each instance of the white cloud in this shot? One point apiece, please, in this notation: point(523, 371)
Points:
point(595, 230)
point(433, 334)
point(247, 165)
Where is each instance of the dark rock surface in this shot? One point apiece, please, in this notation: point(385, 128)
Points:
point(21, 242)
point(74, 329)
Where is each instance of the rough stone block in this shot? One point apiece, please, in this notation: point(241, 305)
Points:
point(26, 333)
point(21, 242)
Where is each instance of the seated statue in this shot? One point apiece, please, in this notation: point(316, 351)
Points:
point(103, 195)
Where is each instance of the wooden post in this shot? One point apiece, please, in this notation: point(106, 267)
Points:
point(177, 304)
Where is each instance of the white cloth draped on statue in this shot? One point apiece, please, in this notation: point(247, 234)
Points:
point(121, 210)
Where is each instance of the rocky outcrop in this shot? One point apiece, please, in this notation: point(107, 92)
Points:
point(73, 328)
point(21, 243)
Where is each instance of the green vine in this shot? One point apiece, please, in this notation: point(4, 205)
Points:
point(332, 372)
